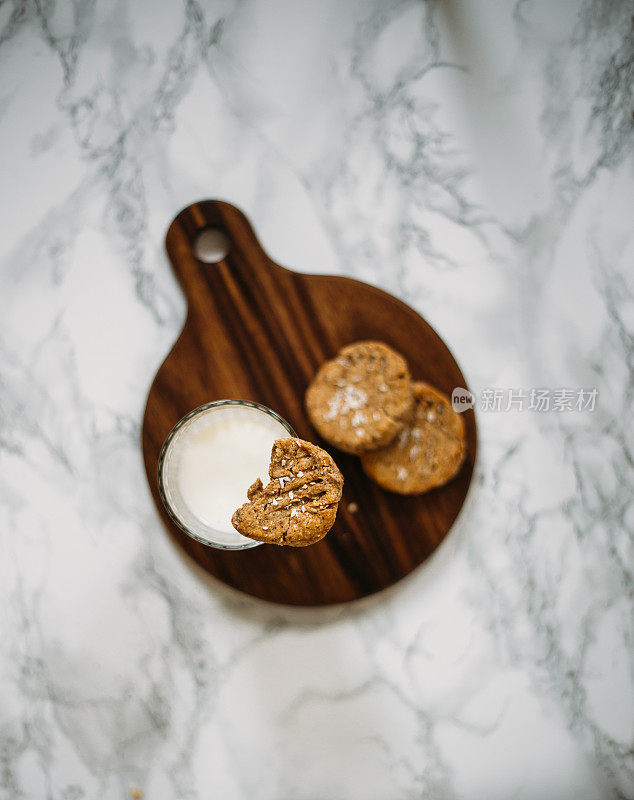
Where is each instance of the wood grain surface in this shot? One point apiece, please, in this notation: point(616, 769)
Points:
point(257, 331)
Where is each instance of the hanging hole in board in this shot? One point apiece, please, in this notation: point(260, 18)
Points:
point(211, 245)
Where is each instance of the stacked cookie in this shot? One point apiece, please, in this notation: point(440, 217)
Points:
point(408, 436)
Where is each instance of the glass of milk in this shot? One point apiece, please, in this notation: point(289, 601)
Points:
point(209, 460)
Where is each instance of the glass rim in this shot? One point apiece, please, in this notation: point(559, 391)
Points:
point(167, 505)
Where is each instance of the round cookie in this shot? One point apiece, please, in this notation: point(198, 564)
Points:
point(427, 453)
point(299, 505)
point(360, 399)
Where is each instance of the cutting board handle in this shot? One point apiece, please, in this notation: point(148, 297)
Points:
point(243, 250)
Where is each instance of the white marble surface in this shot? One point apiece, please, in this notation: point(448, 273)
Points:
point(474, 159)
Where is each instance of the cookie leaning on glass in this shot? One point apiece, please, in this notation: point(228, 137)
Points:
point(359, 400)
point(299, 505)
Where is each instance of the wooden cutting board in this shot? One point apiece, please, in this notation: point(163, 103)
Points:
point(257, 331)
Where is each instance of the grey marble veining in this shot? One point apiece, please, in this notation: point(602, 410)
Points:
point(475, 159)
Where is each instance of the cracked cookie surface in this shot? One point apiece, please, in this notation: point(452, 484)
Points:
point(427, 453)
point(299, 505)
point(360, 399)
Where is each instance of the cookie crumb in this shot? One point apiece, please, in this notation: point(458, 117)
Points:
point(136, 794)
point(353, 508)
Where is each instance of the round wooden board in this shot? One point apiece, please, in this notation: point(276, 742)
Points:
point(257, 331)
